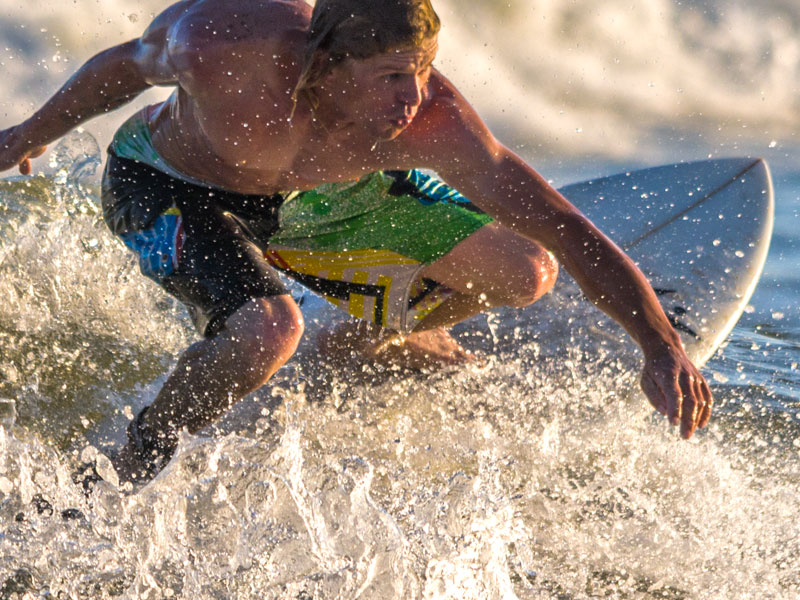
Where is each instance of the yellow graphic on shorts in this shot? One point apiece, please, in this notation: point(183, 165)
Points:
point(368, 284)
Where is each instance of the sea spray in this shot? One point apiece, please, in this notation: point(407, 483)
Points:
point(538, 474)
point(76, 316)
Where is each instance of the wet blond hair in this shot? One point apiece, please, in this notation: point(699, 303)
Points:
point(360, 29)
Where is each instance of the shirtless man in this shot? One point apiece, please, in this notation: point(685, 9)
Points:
point(292, 138)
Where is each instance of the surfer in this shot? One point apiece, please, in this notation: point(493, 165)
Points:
point(302, 129)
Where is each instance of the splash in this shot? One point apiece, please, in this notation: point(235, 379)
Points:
point(78, 326)
point(504, 481)
point(537, 474)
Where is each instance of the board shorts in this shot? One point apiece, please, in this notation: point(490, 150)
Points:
point(360, 244)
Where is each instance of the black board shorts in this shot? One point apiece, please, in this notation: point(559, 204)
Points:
point(203, 245)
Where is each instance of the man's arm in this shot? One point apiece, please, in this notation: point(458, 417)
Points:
point(502, 184)
point(105, 82)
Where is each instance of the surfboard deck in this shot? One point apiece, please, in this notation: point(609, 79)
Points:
point(700, 232)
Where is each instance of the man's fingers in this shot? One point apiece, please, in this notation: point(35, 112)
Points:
point(668, 399)
point(37, 152)
point(688, 405)
point(675, 408)
point(678, 390)
point(703, 403)
point(695, 405)
point(689, 416)
point(709, 403)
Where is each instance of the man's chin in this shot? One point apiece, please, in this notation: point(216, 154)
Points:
point(391, 133)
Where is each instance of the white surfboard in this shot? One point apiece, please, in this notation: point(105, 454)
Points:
point(699, 231)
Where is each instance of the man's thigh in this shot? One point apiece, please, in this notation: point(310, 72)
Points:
point(188, 242)
point(497, 262)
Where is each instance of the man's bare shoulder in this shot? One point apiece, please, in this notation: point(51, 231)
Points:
point(247, 40)
point(210, 22)
point(446, 115)
point(447, 100)
point(448, 132)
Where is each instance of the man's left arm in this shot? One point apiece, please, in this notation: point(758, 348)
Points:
point(504, 186)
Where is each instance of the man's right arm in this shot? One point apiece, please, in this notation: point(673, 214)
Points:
point(459, 146)
point(105, 82)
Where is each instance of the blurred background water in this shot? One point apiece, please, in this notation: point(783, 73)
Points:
point(538, 475)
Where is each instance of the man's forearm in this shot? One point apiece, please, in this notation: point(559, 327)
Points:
point(105, 82)
point(527, 204)
point(612, 282)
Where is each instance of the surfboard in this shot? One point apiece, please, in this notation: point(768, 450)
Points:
point(700, 232)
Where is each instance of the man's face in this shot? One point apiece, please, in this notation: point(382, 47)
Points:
point(381, 94)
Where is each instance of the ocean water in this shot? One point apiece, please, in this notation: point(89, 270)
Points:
point(539, 474)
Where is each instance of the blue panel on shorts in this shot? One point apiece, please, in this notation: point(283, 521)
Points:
point(434, 190)
point(158, 247)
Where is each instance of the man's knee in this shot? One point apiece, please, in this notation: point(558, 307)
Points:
point(535, 273)
point(502, 267)
point(281, 321)
point(265, 332)
point(278, 325)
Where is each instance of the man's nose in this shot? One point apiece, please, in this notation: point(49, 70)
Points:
point(411, 94)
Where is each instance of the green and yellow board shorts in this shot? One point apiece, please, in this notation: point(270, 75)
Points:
point(363, 245)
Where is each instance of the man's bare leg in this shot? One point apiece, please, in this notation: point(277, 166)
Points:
point(215, 373)
point(492, 267)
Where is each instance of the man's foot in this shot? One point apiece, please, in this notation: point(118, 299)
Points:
point(363, 342)
point(145, 454)
point(137, 462)
point(130, 468)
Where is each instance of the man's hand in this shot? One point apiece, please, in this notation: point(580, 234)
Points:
point(16, 150)
point(677, 390)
